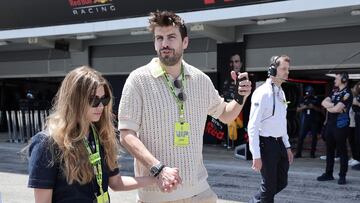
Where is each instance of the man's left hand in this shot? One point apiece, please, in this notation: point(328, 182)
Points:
point(244, 85)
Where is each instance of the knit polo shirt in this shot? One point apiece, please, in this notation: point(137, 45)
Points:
point(148, 107)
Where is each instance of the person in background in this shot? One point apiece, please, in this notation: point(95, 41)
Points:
point(267, 128)
point(309, 110)
point(337, 104)
point(354, 138)
point(228, 92)
point(229, 86)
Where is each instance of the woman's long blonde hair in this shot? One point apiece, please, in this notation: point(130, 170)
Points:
point(67, 124)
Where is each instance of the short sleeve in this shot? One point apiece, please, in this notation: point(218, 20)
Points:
point(130, 107)
point(114, 172)
point(347, 98)
point(330, 95)
point(42, 172)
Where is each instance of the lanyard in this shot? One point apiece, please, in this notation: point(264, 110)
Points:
point(95, 159)
point(179, 103)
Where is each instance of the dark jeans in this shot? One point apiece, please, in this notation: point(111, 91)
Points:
point(336, 139)
point(274, 171)
point(305, 128)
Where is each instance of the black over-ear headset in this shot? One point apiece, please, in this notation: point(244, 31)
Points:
point(272, 70)
point(344, 77)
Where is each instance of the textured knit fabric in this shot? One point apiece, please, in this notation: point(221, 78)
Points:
point(149, 108)
point(208, 196)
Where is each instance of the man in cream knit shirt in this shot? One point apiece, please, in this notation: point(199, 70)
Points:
point(162, 116)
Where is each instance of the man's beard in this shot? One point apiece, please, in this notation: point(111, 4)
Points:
point(169, 60)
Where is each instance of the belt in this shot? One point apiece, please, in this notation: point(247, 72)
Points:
point(272, 138)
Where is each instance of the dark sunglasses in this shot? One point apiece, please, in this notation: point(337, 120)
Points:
point(178, 84)
point(95, 101)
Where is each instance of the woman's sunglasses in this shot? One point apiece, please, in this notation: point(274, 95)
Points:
point(95, 101)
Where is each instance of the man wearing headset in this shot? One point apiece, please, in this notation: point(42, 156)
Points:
point(267, 129)
point(337, 104)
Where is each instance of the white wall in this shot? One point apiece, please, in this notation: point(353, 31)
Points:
point(125, 64)
point(325, 56)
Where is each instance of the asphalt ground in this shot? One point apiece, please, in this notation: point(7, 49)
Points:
point(232, 179)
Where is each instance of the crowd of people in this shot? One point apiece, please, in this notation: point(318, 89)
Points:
point(340, 110)
point(162, 112)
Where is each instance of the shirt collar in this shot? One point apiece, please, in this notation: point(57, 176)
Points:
point(269, 82)
point(157, 71)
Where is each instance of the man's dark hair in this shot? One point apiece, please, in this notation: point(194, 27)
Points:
point(235, 53)
point(167, 18)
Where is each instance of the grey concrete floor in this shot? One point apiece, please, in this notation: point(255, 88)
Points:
point(232, 179)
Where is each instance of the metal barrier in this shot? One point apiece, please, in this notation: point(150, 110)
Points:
point(23, 124)
point(9, 124)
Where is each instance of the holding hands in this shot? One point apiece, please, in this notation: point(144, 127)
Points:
point(168, 179)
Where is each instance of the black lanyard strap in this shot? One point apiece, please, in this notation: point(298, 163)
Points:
point(95, 158)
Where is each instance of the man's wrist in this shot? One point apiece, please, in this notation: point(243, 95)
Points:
point(239, 98)
point(156, 169)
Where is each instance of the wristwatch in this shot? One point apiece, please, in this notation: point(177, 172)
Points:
point(156, 169)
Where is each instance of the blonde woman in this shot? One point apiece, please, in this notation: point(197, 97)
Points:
point(75, 158)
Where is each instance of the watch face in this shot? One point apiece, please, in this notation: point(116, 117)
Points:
point(155, 169)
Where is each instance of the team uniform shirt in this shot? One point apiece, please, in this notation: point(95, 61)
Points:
point(344, 96)
point(262, 122)
point(310, 115)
